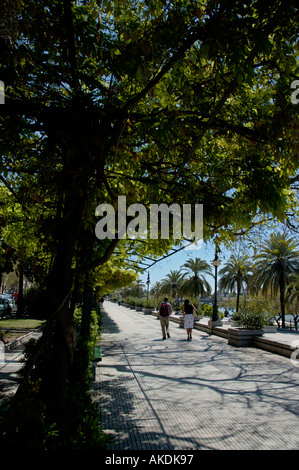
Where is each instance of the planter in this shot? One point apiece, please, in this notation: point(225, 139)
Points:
point(234, 322)
point(242, 336)
point(147, 311)
point(199, 317)
point(214, 323)
point(138, 309)
point(270, 329)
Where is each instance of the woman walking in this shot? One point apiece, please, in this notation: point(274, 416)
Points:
point(188, 310)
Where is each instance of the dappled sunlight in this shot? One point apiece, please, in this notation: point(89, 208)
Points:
point(201, 394)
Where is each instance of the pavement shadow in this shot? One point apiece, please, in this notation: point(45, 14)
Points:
point(108, 324)
point(120, 418)
point(220, 383)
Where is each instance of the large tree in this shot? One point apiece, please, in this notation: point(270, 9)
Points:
point(160, 101)
point(172, 283)
point(276, 263)
point(235, 274)
point(196, 284)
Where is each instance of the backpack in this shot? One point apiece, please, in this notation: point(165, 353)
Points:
point(164, 310)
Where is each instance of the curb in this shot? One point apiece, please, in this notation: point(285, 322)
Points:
point(270, 345)
point(21, 339)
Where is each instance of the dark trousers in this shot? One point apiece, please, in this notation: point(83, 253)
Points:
point(164, 321)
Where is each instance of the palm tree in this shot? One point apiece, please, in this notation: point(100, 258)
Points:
point(235, 275)
point(276, 263)
point(156, 290)
point(171, 283)
point(196, 284)
point(293, 292)
point(137, 289)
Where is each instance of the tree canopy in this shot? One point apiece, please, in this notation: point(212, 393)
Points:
point(235, 273)
point(276, 263)
point(171, 101)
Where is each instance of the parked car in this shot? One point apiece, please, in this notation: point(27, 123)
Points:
point(9, 298)
point(5, 308)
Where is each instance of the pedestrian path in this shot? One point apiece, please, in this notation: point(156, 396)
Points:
point(174, 394)
point(8, 375)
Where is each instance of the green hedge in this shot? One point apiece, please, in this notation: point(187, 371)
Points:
point(140, 302)
point(29, 425)
point(154, 304)
point(254, 314)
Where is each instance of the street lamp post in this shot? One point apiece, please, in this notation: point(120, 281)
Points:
point(148, 283)
point(216, 262)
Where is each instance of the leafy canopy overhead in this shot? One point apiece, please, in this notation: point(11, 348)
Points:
point(162, 101)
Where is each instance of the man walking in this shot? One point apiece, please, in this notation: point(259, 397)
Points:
point(165, 309)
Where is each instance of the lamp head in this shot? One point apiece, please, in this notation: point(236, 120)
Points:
point(216, 262)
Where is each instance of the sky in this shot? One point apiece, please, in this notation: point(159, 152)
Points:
point(207, 253)
point(175, 261)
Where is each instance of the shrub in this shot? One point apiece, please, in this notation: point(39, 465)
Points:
point(29, 424)
point(131, 301)
point(149, 303)
point(197, 305)
point(236, 316)
point(207, 310)
point(253, 314)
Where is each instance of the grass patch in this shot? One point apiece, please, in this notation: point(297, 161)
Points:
point(20, 324)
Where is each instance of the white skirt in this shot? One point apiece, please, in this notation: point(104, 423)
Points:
point(189, 320)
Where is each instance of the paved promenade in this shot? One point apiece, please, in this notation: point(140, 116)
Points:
point(8, 376)
point(174, 394)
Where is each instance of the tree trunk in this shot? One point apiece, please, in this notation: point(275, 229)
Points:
point(238, 295)
point(60, 282)
point(87, 307)
point(20, 309)
point(59, 376)
point(74, 296)
point(61, 315)
point(282, 286)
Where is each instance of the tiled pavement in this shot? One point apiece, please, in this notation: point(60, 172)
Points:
point(177, 395)
point(199, 395)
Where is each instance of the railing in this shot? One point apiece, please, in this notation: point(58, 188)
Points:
point(290, 324)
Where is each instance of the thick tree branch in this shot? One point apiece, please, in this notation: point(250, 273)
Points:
point(98, 262)
point(221, 125)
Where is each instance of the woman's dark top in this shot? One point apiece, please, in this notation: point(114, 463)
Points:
point(188, 309)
